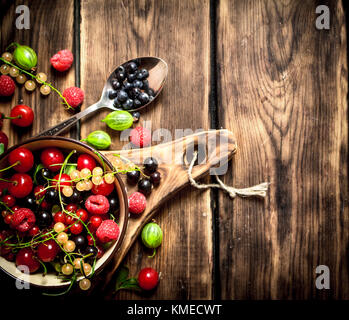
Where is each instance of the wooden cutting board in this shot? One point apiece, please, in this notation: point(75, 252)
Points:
point(215, 148)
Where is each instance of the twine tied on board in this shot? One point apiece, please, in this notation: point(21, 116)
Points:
point(259, 190)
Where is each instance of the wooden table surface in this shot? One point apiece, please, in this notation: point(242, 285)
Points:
point(258, 68)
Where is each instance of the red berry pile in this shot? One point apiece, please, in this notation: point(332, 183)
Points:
point(59, 209)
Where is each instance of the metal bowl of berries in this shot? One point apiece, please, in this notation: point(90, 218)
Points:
point(64, 212)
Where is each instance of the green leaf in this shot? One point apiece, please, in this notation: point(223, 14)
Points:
point(129, 284)
point(37, 169)
point(2, 148)
point(121, 276)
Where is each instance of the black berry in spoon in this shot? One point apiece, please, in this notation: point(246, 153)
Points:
point(131, 67)
point(120, 76)
point(142, 74)
point(144, 186)
point(133, 176)
point(112, 94)
point(145, 85)
point(122, 96)
point(150, 165)
point(155, 178)
point(44, 219)
point(128, 86)
point(131, 77)
point(135, 92)
point(115, 84)
point(120, 69)
point(128, 105)
point(137, 84)
point(117, 104)
point(137, 103)
point(143, 97)
point(150, 92)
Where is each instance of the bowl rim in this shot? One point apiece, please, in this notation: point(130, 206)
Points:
point(119, 180)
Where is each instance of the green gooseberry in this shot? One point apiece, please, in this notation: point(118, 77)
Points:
point(98, 139)
point(25, 57)
point(152, 236)
point(119, 120)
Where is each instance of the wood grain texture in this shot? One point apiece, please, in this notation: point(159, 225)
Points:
point(282, 91)
point(51, 29)
point(178, 32)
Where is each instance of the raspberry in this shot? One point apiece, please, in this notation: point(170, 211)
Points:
point(97, 204)
point(62, 60)
point(74, 96)
point(7, 86)
point(140, 137)
point(108, 231)
point(23, 219)
point(137, 202)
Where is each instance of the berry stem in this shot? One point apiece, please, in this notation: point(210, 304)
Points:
point(42, 82)
point(12, 165)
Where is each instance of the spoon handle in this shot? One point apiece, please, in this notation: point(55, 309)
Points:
point(64, 125)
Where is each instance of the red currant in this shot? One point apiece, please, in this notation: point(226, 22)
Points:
point(15, 208)
point(105, 189)
point(89, 240)
point(9, 200)
point(82, 214)
point(21, 185)
point(63, 179)
point(24, 157)
point(148, 278)
point(72, 207)
point(86, 161)
point(76, 228)
point(95, 221)
point(48, 250)
point(26, 257)
point(59, 217)
point(39, 192)
point(50, 157)
point(8, 218)
point(34, 231)
point(23, 115)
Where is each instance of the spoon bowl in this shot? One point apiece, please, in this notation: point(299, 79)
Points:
point(157, 69)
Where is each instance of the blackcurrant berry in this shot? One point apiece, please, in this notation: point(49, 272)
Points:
point(30, 202)
point(51, 195)
point(150, 165)
point(135, 115)
point(76, 196)
point(155, 178)
point(132, 67)
point(44, 219)
point(115, 84)
point(142, 74)
point(145, 85)
point(128, 86)
point(150, 92)
point(43, 175)
point(128, 105)
point(91, 251)
point(133, 176)
point(143, 97)
point(112, 94)
point(122, 96)
point(80, 242)
point(137, 103)
point(144, 186)
point(114, 204)
point(131, 77)
point(137, 84)
point(120, 76)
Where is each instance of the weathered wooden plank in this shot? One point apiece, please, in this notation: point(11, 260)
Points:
point(282, 90)
point(177, 31)
point(51, 29)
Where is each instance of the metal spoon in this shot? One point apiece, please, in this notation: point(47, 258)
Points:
point(157, 69)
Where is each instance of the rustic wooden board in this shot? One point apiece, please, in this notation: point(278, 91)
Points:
point(51, 29)
point(177, 31)
point(282, 90)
